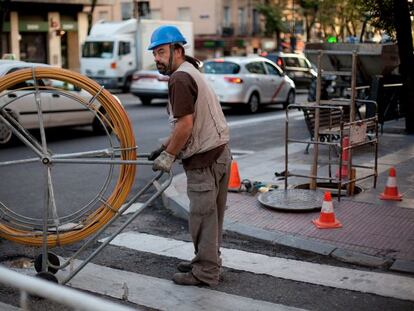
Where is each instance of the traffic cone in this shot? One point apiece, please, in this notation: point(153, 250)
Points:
point(345, 153)
point(234, 180)
point(327, 217)
point(391, 191)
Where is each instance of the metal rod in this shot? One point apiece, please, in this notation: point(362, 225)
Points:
point(357, 179)
point(311, 176)
point(286, 146)
point(118, 231)
point(23, 161)
point(61, 294)
point(97, 161)
point(21, 137)
point(113, 219)
point(311, 142)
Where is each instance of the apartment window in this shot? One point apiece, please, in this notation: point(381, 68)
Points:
point(184, 14)
point(242, 21)
point(226, 16)
point(256, 22)
point(127, 10)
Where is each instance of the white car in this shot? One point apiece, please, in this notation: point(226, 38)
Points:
point(58, 103)
point(249, 82)
point(149, 84)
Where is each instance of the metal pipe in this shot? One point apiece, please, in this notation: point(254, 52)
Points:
point(118, 231)
point(61, 294)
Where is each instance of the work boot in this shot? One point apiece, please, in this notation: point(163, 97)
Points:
point(186, 279)
point(184, 266)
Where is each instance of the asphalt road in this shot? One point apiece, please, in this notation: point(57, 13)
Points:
point(76, 184)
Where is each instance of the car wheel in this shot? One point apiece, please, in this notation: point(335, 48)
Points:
point(127, 85)
point(100, 126)
point(146, 101)
point(5, 134)
point(253, 104)
point(290, 100)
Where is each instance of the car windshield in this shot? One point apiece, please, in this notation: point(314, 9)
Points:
point(221, 67)
point(98, 49)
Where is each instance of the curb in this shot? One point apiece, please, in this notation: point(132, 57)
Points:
point(178, 203)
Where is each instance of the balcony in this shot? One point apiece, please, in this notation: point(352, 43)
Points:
point(227, 31)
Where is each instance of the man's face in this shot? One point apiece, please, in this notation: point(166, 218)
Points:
point(162, 58)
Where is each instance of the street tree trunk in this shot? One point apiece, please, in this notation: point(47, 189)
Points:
point(405, 50)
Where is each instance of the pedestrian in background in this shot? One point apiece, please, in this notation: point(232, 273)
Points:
point(199, 137)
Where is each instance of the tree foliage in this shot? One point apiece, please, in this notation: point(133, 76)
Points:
point(274, 24)
point(381, 14)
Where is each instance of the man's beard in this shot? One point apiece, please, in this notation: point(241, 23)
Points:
point(162, 69)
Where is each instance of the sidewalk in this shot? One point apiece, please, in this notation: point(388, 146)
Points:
point(375, 233)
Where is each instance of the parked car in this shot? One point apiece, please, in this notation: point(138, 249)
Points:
point(58, 109)
point(296, 66)
point(249, 82)
point(149, 84)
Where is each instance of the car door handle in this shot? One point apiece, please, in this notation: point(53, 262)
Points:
point(12, 95)
point(55, 95)
point(130, 63)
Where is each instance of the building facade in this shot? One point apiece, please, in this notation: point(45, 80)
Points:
point(45, 31)
point(221, 27)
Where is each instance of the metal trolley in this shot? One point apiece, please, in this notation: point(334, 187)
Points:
point(329, 121)
point(330, 133)
point(46, 167)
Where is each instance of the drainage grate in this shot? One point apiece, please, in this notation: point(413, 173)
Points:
point(299, 200)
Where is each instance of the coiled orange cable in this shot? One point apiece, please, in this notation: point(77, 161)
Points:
point(122, 129)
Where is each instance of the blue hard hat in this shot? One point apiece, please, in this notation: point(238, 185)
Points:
point(166, 34)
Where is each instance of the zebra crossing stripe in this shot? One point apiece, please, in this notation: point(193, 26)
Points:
point(384, 284)
point(160, 293)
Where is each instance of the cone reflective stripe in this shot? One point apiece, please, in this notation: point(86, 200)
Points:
point(391, 190)
point(234, 180)
point(344, 168)
point(327, 218)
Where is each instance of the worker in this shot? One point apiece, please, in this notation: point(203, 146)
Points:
point(199, 137)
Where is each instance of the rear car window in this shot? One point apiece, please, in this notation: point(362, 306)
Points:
point(216, 67)
point(291, 62)
point(256, 67)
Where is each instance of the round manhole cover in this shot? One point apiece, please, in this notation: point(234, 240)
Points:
point(292, 199)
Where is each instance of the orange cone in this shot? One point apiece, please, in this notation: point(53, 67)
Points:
point(344, 168)
point(391, 191)
point(234, 181)
point(327, 217)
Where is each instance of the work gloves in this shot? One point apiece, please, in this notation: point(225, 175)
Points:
point(153, 155)
point(163, 162)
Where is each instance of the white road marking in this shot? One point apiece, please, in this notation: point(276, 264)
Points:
point(383, 284)
point(160, 293)
point(250, 121)
point(6, 307)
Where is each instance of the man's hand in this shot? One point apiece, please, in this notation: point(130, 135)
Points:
point(163, 162)
point(155, 154)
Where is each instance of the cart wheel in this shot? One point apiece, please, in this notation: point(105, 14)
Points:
point(47, 276)
point(52, 258)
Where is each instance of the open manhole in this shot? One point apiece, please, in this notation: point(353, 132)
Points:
point(331, 187)
point(292, 200)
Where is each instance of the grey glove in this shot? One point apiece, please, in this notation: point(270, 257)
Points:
point(153, 155)
point(164, 162)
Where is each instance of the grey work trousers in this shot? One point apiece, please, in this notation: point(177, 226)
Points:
point(207, 191)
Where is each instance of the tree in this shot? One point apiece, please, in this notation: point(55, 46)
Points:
point(90, 15)
point(393, 16)
point(274, 24)
point(4, 11)
point(310, 10)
